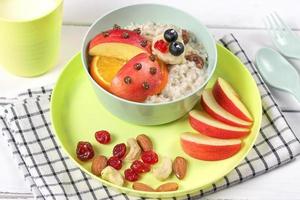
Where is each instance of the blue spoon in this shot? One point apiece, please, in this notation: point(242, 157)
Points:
point(277, 71)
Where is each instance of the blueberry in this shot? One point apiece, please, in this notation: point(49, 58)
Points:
point(170, 35)
point(176, 48)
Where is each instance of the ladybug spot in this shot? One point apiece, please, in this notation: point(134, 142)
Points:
point(143, 43)
point(137, 30)
point(146, 85)
point(137, 66)
point(127, 80)
point(116, 26)
point(153, 70)
point(105, 34)
point(152, 58)
point(125, 35)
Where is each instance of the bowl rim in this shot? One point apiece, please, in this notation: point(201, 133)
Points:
point(214, 65)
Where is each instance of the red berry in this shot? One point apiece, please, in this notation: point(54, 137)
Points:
point(115, 162)
point(102, 137)
point(149, 157)
point(161, 45)
point(84, 151)
point(130, 175)
point(119, 150)
point(140, 167)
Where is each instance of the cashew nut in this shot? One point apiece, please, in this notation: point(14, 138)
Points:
point(134, 150)
point(112, 175)
point(163, 169)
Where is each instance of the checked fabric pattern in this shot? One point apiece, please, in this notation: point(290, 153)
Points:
point(25, 123)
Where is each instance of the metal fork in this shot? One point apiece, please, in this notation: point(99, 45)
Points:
point(287, 42)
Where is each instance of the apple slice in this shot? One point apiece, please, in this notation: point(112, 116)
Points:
point(207, 148)
point(229, 100)
point(211, 106)
point(140, 77)
point(119, 43)
point(205, 124)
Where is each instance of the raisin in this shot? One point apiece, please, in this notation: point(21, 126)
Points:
point(185, 36)
point(196, 59)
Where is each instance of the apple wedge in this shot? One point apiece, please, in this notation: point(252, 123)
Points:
point(207, 148)
point(211, 106)
point(139, 78)
point(205, 124)
point(229, 100)
point(119, 43)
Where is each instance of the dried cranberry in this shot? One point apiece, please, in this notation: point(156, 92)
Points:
point(119, 150)
point(102, 137)
point(140, 167)
point(115, 162)
point(149, 157)
point(161, 45)
point(84, 151)
point(131, 175)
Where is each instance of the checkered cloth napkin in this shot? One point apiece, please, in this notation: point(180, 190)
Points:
point(26, 125)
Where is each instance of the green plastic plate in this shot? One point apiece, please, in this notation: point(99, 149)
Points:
point(77, 114)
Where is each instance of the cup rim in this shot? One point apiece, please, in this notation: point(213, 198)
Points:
point(58, 3)
point(142, 103)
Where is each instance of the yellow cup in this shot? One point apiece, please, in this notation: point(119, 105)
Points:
point(30, 47)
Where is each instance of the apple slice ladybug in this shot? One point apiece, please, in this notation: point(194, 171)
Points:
point(142, 76)
point(119, 43)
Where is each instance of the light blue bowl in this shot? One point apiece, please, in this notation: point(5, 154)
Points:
point(142, 113)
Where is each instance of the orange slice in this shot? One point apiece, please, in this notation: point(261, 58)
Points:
point(103, 69)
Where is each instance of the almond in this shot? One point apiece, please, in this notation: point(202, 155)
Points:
point(167, 187)
point(179, 167)
point(144, 142)
point(142, 187)
point(98, 164)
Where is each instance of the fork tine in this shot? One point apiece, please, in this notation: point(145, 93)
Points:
point(283, 24)
point(277, 26)
point(270, 28)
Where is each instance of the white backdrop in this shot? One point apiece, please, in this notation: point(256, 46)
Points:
point(213, 13)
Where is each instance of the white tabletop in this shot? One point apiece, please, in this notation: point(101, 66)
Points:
point(242, 18)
